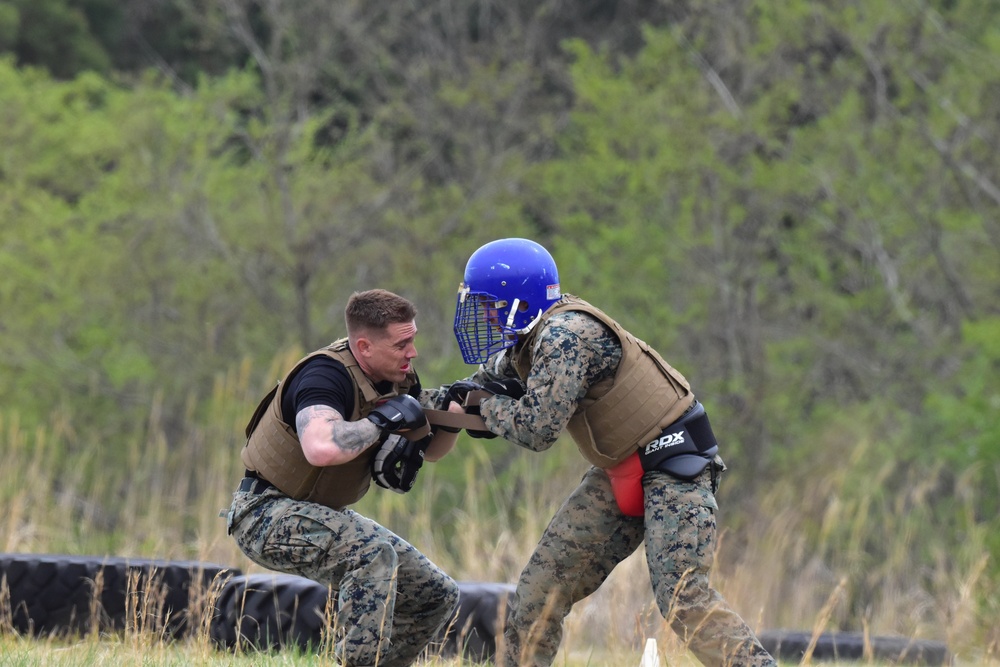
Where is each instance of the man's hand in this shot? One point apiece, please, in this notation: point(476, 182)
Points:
point(512, 387)
point(484, 435)
point(399, 413)
point(397, 461)
point(457, 392)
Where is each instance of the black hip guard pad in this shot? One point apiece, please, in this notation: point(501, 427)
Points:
point(685, 448)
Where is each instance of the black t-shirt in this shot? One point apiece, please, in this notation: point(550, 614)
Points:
point(324, 381)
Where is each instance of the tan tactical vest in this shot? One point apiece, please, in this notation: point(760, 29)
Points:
point(618, 414)
point(274, 452)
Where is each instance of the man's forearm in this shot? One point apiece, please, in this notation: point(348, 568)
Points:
point(329, 439)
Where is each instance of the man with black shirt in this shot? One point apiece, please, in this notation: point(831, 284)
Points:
point(343, 415)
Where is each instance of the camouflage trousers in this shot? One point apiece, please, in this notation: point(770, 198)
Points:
point(589, 536)
point(391, 600)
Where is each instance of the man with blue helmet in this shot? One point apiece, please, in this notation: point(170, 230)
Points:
point(555, 363)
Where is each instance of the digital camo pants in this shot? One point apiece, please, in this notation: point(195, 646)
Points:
point(589, 536)
point(391, 600)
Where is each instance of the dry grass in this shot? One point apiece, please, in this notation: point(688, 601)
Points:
point(798, 558)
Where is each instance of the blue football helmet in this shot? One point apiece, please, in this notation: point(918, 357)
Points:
point(508, 284)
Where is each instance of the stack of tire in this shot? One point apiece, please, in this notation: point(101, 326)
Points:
point(53, 595)
point(47, 595)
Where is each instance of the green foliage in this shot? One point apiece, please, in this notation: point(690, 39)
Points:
point(10, 20)
point(56, 34)
point(963, 423)
point(769, 219)
point(796, 203)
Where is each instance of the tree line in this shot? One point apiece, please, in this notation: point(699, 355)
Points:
point(797, 203)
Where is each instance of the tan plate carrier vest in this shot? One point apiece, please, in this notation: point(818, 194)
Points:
point(274, 452)
point(618, 414)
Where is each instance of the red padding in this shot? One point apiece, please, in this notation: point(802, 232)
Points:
point(626, 484)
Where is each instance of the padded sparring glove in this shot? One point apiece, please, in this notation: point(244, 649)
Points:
point(399, 413)
point(458, 391)
point(397, 461)
point(483, 435)
point(512, 387)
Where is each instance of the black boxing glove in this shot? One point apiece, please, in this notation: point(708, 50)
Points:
point(399, 413)
point(484, 435)
point(397, 461)
point(512, 387)
point(458, 391)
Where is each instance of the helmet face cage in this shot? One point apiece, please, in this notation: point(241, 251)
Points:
point(478, 328)
point(508, 285)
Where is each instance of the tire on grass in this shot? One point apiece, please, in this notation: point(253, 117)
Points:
point(49, 594)
point(271, 611)
point(478, 622)
point(792, 645)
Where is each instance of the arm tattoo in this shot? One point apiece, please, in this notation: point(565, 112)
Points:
point(348, 436)
point(353, 436)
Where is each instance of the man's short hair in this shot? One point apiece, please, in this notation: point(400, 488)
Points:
point(373, 310)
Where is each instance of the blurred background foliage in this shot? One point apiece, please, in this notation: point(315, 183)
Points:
point(795, 202)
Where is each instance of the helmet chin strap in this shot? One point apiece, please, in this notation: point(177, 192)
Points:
point(532, 323)
point(510, 318)
point(511, 312)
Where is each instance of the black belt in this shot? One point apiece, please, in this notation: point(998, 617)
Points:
point(255, 484)
point(685, 448)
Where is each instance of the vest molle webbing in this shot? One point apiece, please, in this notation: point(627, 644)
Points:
point(274, 452)
point(621, 413)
